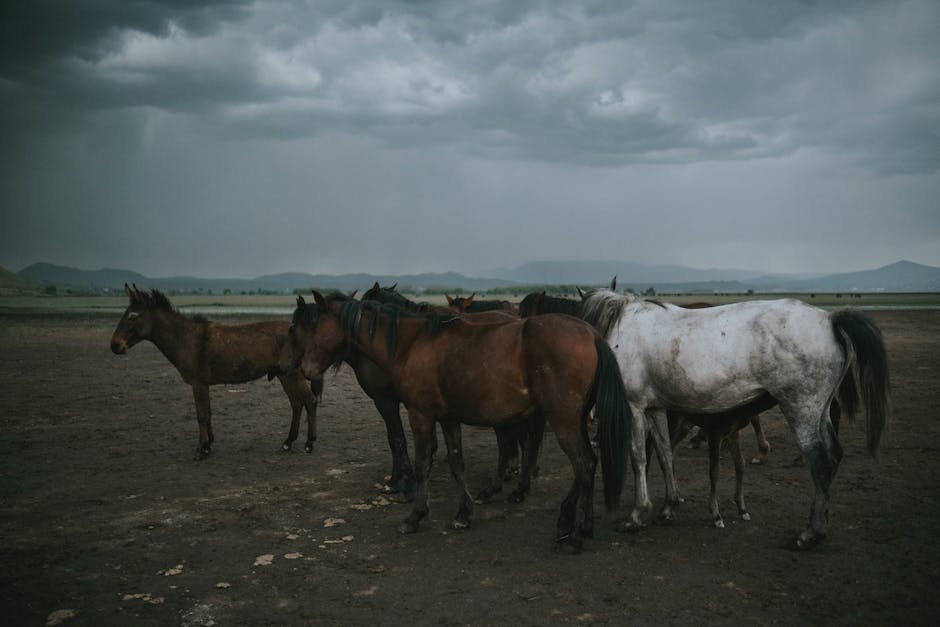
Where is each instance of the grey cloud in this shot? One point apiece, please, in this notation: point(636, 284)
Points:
point(605, 84)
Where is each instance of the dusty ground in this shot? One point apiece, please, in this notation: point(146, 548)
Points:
point(106, 519)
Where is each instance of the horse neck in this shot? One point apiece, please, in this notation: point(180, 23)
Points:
point(179, 338)
point(376, 346)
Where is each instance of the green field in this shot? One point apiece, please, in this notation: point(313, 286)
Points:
point(282, 304)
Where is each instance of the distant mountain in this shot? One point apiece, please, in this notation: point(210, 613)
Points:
point(903, 276)
point(113, 280)
point(593, 272)
point(64, 276)
point(13, 283)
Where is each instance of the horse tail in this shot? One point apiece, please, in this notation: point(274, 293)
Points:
point(866, 383)
point(614, 420)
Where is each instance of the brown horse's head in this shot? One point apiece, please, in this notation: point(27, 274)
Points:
point(316, 337)
point(137, 322)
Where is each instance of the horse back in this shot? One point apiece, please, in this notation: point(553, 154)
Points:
point(241, 353)
point(715, 358)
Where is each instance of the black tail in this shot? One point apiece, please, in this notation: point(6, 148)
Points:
point(867, 382)
point(614, 420)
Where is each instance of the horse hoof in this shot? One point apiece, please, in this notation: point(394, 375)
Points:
point(628, 526)
point(202, 452)
point(308, 448)
point(285, 447)
point(516, 497)
point(806, 541)
point(746, 516)
point(568, 545)
point(460, 525)
point(408, 527)
point(719, 523)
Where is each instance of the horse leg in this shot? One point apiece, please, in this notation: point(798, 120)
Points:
point(452, 439)
point(289, 384)
point(534, 429)
point(571, 530)
point(714, 463)
point(204, 418)
point(310, 401)
point(821, 448)
point(762, 444)
point(403, 474)
point(660, 432)
point(422, 430)
point(738, 456)
point(506, 445)
point(642, 504)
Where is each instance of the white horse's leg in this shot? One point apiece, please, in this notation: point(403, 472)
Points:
point(659, 428)
point(642, 505)
point(817, 441)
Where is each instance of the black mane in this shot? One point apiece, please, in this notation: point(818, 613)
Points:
point(155, 299)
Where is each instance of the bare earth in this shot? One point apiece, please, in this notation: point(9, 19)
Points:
point(106, 518)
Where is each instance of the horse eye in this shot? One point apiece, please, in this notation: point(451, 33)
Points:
point(133, 316)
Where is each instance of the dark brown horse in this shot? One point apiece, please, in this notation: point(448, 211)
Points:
point(467, 304)
point(513, 440)
point(207, 354)
point(451, 371)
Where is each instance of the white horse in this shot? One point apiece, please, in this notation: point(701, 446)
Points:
point(709, 361)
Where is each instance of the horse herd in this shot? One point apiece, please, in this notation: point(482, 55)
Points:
point(608, 372)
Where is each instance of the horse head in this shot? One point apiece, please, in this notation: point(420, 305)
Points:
point(137, 322)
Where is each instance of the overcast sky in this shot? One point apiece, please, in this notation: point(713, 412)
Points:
point(235, 139)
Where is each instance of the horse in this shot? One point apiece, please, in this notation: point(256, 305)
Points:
point(512, 440)
point(712, 427)
point(722, 358)
point(450, 370)
point(207, 354)
point(466, 304)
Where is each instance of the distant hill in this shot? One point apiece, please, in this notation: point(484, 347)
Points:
point(13, 283)
point(592, 272)
point(108, 279)
point(903, 276)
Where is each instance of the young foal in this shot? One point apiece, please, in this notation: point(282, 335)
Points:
point(206, 354)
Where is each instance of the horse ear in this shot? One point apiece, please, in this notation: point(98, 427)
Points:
point(395, 286)
point(301, 303)
point(468, 299)
point(353, 293)
point(580, 293)
point(321, 302)
point(613, 284)
point(450, 301)
point(129, 292)
point(375, 286)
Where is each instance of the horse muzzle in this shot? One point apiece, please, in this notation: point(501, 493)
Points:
point(118, 347)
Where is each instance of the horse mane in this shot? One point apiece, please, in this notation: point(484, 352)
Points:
point(391, 296)
point(155, 299)
point(350, 320)
point(549, 304)
point(602, 309)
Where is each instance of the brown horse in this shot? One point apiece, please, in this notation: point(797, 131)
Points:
point(512, 440)
point(467, 304)
point(207, 354)
point(452, 371)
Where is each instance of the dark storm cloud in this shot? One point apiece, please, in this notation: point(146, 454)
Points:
point(730, 132)
point(592, 83)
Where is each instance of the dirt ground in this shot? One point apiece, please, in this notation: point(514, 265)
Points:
point(106, 518)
